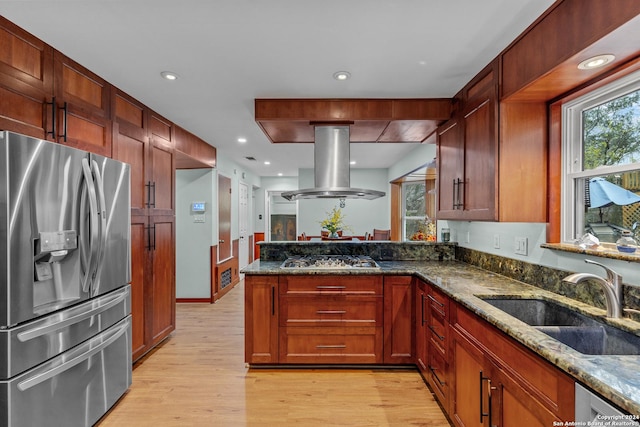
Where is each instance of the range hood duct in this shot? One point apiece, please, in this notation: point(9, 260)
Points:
point(331, 168)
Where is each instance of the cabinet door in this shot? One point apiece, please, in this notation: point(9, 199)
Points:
point(139, 276)
point(261, 319)
point(480, 162)
point(421, 326)
point(450, 170)
point(26, 82)
point(83, 107)
point(163, 285)
point(516, 406)
point(469, 405)
point(161, 178)
point(399, 320)
point(131, 148)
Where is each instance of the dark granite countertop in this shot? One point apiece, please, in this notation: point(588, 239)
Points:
point(617, 378)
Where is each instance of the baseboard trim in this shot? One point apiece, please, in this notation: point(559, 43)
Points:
point(206, 300)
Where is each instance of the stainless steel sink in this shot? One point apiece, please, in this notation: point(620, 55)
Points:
point(580, 332)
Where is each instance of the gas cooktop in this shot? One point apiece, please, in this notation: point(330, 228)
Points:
point(330, 262)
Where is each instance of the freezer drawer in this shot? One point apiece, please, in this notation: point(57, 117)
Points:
point(32, 343)
point(75, 388)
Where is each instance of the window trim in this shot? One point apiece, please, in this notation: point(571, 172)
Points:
point(404, 217)
point(571, 195)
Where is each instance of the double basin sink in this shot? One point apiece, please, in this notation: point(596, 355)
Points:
point(584, 334)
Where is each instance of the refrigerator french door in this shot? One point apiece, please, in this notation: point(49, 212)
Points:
point(64, 271)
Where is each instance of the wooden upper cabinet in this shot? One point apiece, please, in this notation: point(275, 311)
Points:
point(481, 151)
point(468, 153)
point(83, 107)
point(130, 145)
point(26, 81)
point(450, 158)
point(160, 174)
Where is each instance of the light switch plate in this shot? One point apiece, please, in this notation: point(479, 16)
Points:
point(521, 246)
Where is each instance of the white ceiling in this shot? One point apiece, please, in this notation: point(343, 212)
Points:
point(229, 52)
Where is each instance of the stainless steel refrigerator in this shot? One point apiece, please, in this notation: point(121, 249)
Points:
point(65, 308)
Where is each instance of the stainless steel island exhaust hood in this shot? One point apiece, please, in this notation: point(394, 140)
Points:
point(331, 168)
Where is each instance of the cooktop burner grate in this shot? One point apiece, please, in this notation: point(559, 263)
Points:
point(330, 262)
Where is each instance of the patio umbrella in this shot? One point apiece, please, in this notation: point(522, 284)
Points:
point(604, 193)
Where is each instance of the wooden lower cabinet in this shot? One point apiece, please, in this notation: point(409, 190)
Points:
point(437, 338)
point(399, 320)
point(163, 275)
point(331, 345)
point(153, 292)
point(324, 319)
point(261, 319)
point(421, 326)
point(331, 319)
point(497, 382)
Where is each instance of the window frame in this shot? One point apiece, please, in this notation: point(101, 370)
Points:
point(573, 174)
point(404, 206)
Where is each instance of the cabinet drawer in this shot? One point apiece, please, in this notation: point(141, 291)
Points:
point(330, 345)
point(438, 334)
point(437, 376)
point(331, 310)
point(438, 304)
point(331, 285)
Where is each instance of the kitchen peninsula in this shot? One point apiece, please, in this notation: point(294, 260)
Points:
point(424, 306)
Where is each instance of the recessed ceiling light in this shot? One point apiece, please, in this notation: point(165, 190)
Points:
point(342, 75)
point(352, 162)
point(596, 62)
point(267, 163)
point(242, 140)
point(169, 75)
point(279, 173)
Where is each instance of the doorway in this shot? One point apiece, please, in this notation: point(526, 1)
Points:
point(281, 218)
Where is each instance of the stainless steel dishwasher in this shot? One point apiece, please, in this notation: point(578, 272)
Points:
point(591, 407)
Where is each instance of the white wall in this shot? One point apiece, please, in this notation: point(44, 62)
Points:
point(420, 156)
point(360, 215)
point(194, 240)
point(480, 236)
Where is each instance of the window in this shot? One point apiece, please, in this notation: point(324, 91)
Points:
point(414, 207)
point(601, 161)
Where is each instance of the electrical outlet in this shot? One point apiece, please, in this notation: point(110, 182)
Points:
point(521, 246)
point(496, 241)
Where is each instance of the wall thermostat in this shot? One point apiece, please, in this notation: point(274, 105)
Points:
point(198, 207)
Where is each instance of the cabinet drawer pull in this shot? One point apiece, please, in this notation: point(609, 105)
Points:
point(441, 337)
point(441, 304)
point(331, 312)
point(323, 346)
point(433, 372)
point(330, 287)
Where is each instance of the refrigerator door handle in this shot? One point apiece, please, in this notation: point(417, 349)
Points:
point(107, 338)
point(102, 227)
point(88, 261)
point(105, 304)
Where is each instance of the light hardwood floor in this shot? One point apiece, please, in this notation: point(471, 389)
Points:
point(198, 377)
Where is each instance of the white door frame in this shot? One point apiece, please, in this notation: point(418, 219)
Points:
point(243, 225)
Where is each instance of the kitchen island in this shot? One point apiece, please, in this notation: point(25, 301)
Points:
point(616, 378)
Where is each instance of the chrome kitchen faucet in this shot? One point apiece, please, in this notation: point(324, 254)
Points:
point(612, 287)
